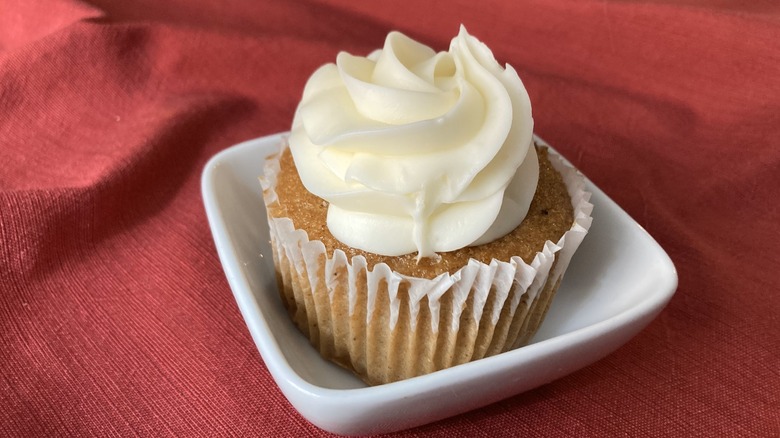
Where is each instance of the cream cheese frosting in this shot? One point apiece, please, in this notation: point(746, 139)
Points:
point(417, 151)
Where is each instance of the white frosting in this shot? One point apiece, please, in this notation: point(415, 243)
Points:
point(417, 151)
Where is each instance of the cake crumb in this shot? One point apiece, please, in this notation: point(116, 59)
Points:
point(549, 216)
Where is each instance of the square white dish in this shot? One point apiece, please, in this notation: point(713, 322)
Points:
point(618, 281)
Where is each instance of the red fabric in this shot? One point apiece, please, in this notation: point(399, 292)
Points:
point(115, 316)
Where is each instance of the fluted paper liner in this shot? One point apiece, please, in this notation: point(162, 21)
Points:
point(385, 326)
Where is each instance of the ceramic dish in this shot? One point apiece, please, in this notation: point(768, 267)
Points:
point(618, 281)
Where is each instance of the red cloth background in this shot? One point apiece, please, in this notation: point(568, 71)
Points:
point(116, 318)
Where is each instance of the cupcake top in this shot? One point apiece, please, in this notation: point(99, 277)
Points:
point(417, 151)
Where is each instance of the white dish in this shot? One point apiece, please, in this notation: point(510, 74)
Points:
point(618, 281)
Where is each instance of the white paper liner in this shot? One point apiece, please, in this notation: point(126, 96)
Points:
point(313, 286)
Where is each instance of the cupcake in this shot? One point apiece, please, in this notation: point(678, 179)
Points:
point(415, 225)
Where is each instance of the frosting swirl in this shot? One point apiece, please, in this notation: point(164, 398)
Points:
point(416, 150)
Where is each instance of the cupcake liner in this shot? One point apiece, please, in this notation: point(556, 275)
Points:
point(385, 326)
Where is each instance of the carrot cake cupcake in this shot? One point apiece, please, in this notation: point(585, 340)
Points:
point(415, 224)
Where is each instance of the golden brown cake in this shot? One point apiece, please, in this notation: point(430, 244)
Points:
point(549, 216)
